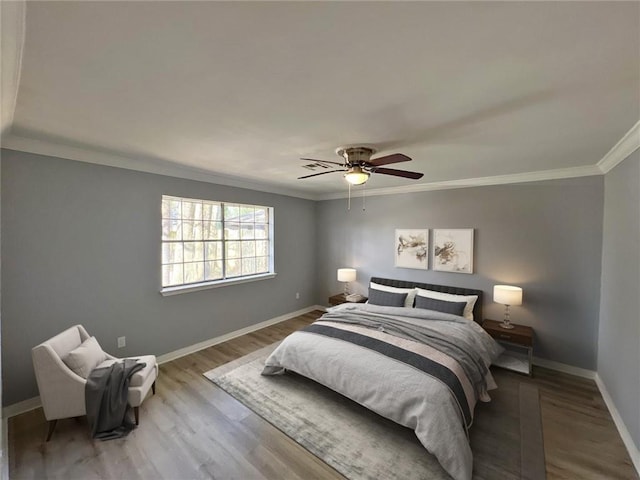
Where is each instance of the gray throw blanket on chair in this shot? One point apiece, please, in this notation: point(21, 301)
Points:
point(106, 393)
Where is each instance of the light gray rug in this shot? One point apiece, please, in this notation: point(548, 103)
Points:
point(362, 445)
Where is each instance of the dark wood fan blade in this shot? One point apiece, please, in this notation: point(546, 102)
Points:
point(398, 173)
point(386, 160)
point(321, 161)
point(321, 173)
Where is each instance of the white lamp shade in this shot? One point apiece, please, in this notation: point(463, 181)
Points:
point(507, 295)
point(346, 274)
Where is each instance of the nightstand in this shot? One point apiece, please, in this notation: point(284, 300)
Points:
point(340, 298)
point(519, 337)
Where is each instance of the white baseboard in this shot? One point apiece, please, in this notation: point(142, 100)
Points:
point(632, 448)
point(33, 403)
point(564, 368)
point(21, 407)
point(167, 357)
point(4, 454)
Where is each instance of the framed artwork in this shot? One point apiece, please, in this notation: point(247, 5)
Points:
point(453, 250)
point(411, 248)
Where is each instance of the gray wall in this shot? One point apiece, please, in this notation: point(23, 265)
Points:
point(81, 244)
point(619, 338)
point(545, 237)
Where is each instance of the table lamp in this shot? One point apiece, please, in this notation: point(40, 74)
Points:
point(346, 275)
point(507, 295)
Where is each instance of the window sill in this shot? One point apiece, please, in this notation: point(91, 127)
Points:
point(168, 291)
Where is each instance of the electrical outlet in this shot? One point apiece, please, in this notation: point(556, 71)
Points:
point(122, 342)
point(297, 295)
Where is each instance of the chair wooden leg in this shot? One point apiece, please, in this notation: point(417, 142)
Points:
point(153, 388)
point(52, 427)
point(136, 413)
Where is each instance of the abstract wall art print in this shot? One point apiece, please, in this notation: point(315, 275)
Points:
point(453, 250)
point(411, 248)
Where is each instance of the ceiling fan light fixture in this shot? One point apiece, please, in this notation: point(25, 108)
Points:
point(356, 176)
point(358, 164)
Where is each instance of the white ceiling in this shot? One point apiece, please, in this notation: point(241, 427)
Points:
point(238, 89)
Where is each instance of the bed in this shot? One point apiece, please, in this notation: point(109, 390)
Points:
point(415, 353)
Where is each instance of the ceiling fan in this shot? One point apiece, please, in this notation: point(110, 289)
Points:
point(358, 164)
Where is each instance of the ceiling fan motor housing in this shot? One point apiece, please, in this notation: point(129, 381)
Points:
point(355, 155)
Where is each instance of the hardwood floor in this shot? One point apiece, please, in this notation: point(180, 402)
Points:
point(193, 429)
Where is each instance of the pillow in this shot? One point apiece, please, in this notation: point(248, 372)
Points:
point(449, 297)
point(411, 292)
point(81, 360)
point(456, 308)
point(387, 299)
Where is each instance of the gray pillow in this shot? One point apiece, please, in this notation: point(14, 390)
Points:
point(387, 299)
point(443, 306)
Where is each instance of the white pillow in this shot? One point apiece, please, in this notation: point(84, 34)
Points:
point(85, 358)
point(411, 292)
point(449, 297)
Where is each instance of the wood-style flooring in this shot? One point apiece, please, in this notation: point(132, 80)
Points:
point(193, 429)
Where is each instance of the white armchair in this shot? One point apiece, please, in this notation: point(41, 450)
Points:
point(62, 391)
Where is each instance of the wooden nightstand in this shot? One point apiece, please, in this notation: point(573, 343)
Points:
point(340, 298)
point(521, 337)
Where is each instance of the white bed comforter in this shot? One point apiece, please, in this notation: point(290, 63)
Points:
point(391, 388)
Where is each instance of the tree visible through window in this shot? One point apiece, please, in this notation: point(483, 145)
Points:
point(205, 241)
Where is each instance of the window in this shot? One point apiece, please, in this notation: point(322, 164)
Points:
point(208, 243)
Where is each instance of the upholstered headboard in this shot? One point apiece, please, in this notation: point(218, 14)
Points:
point(477, 309)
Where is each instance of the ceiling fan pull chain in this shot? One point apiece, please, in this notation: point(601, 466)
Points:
point(364, 197)
point(349, 204)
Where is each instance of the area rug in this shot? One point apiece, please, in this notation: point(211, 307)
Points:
point(362, 445)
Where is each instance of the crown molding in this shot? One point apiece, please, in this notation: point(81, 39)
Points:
point(585, 171)
point(626, 146)
point(148, 165)
point(621, 150)
point(13, 27)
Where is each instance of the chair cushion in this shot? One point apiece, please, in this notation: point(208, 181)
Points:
point(84, 358)
point(140, 376)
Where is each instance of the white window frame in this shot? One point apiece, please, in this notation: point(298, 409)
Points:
point(225, 281)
